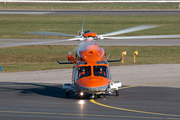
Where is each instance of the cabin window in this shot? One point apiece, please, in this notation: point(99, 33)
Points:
point(101, 71)
point(84, 71)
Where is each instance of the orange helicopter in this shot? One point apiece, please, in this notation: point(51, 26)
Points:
point(91, 72)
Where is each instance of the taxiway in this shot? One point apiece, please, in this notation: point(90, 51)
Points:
point(148, 92)
point(90, 12)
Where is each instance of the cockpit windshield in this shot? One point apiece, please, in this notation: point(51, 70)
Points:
point(101, 71)
point(84, 71)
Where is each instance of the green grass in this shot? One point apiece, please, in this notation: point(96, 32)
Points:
point(90, 6)
point(31, 58)
point(13, 25)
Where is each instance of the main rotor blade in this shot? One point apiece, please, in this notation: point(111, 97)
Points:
point(144, 37)
point(50, 33)
point(41, 42)
point(142, 27)
point(83, 23)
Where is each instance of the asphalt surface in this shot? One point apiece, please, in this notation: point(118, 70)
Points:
point(90, 12)
point(148, 92)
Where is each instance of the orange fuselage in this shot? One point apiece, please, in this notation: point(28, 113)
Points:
point(92, 82)
point(94, 59)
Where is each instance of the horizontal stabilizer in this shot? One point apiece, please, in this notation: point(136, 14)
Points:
point(115, 60)
point(64, 62)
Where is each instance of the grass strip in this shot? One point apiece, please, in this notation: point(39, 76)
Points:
point(89, 6)
point(12, 26)
point(31, 58)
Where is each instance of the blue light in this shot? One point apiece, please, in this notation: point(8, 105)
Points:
point(0, 68)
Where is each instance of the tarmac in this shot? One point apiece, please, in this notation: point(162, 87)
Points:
point(148, 92)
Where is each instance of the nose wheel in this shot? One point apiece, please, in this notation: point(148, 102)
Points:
point(93, 96)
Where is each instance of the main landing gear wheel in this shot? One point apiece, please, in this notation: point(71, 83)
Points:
point(67, 94)
point(95, 97)
point(117, 92)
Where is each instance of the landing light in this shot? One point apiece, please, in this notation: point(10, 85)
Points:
point(81, 93)
point(81, 102)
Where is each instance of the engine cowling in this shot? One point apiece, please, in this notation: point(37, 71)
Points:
point(92, 53)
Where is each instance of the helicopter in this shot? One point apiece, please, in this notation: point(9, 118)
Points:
point(91, 71)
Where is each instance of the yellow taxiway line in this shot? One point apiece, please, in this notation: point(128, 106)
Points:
point(96, 115)
point(129, 110)
point(138, 111)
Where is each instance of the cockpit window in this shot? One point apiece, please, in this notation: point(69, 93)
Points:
point(101, 71)
point(84, 71)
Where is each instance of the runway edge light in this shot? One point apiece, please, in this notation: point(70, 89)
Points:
point(135, 53)
point(123, 54)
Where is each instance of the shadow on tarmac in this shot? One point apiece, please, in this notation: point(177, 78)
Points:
point(51, 90)
point(143, 93)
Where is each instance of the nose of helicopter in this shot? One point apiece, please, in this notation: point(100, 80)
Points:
point(93, 82)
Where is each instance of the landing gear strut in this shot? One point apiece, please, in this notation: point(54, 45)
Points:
point(67, 94)
point(95, 96)
point(117, 92)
